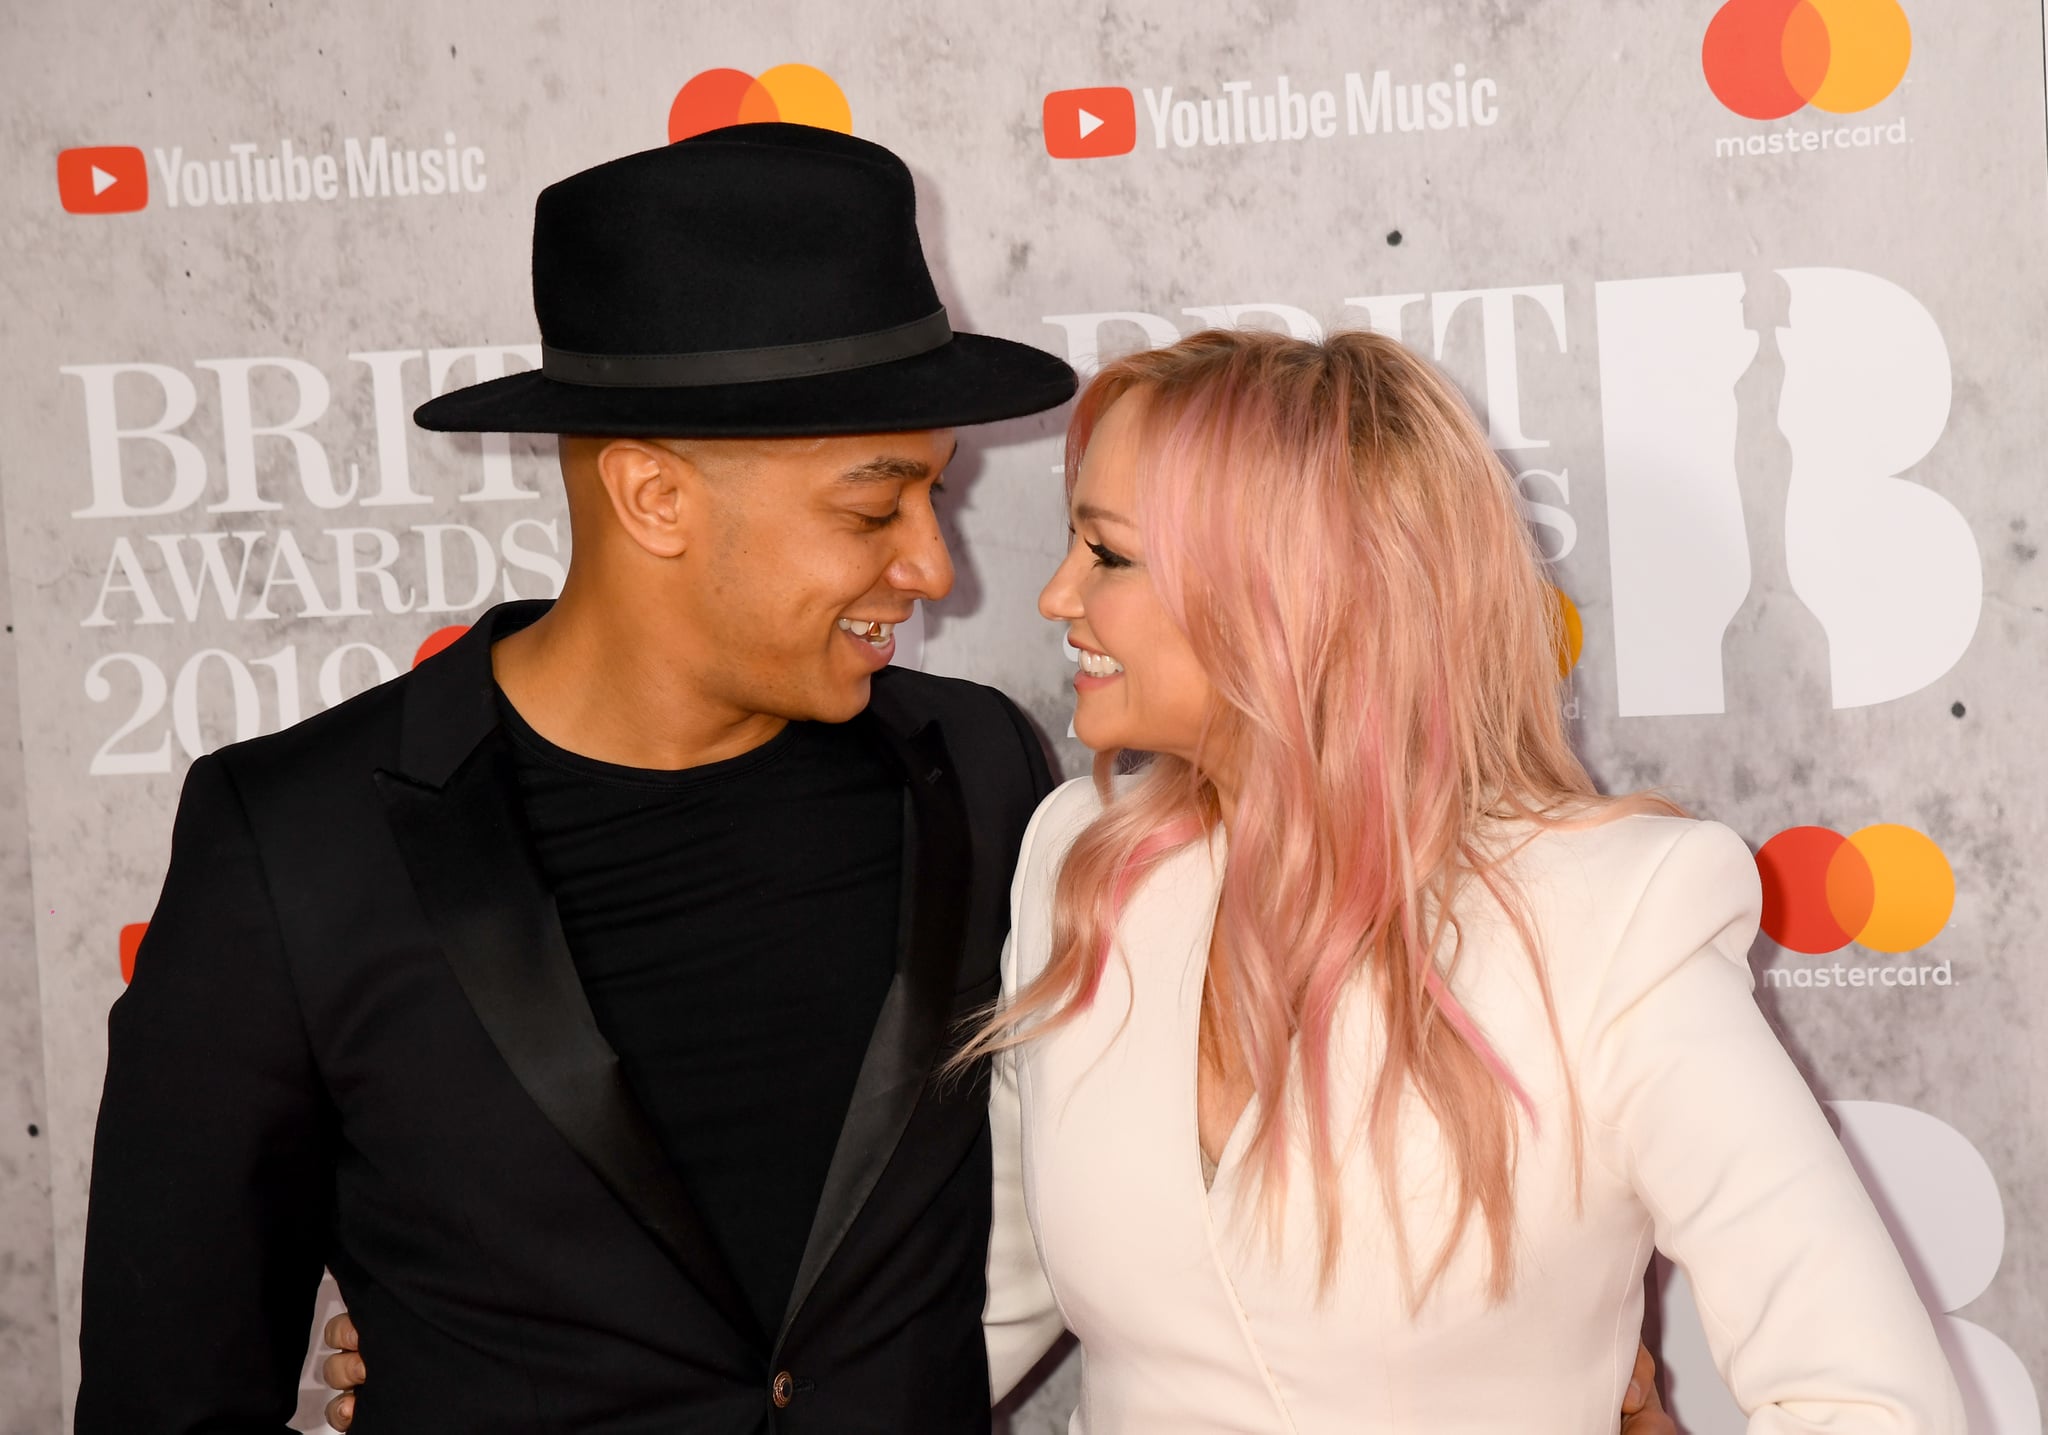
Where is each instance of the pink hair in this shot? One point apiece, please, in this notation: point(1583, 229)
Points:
point(1328, 527)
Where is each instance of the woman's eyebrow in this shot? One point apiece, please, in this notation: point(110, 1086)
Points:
point(1097, 514)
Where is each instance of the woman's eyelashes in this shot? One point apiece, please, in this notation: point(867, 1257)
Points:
point(1107, 557)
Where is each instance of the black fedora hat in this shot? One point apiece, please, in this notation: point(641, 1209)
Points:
point(752, 281)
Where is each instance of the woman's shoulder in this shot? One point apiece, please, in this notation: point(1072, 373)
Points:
point(1074, 799)
point(1061, 817)
point(1591, 876)
point(1614, 884)
point(1629, 850)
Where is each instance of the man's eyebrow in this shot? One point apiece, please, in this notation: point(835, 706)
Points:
point(1094, 514)
point(892, 468)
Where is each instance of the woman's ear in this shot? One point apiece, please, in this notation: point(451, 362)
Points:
point(652, 489)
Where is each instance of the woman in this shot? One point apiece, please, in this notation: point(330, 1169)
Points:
point(1360, 1034)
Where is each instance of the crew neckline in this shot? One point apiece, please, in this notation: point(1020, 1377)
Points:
point(535, 745)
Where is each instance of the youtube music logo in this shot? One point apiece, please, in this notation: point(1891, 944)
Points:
point(1090, 124)
point(102, 179)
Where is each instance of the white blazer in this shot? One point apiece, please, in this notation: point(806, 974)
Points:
point(1700, 1139)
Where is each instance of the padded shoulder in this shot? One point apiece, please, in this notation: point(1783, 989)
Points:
point(346, 743)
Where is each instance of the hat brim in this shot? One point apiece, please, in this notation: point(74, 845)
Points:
point(973, 379)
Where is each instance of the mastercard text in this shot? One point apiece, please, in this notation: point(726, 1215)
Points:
point(1841, 974)
point(1826, 139)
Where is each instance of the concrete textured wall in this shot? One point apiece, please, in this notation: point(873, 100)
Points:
point(28, 1268)
point(1777, 418)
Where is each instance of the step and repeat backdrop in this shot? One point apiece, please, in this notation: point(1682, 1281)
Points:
point(1753, 298)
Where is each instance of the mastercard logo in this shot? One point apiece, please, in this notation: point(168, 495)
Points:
point(1885, 887)
point(1766, 58)
point(794, 94)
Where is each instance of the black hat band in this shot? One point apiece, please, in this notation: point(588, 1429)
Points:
point(748, 366)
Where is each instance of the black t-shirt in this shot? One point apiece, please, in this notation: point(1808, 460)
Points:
point(735, 929)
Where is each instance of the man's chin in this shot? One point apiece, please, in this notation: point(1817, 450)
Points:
point(842, 703)
point(832, 696)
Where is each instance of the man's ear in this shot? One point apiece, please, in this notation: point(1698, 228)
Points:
point(653, 492)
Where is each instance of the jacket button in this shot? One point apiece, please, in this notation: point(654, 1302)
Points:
point(782, 1389)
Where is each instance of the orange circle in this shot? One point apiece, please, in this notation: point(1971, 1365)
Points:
point(437, 640)
point(806, 95)
point(1870, 44)
point(1570, 631)
point(1914, 888)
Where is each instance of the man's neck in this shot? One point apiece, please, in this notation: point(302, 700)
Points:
point(588, 685)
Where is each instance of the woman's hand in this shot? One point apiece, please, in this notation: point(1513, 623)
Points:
point(1642, 1412)
point(344, 1371)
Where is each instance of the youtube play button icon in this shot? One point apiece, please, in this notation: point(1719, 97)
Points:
point(102, 179)
point(1090, 124)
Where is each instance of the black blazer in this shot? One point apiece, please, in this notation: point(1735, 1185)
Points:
point(355, 1037)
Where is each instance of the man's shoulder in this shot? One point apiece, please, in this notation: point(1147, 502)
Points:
point(345, 743)
point(942, 697)
point(991, 741)
point(970, 712)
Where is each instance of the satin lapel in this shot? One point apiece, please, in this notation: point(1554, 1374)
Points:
point(472, 867)
point(916, 1014)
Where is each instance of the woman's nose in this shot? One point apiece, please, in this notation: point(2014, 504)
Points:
point(1060, 599)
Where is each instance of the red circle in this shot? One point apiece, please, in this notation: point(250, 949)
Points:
point(1794, 869)
point(715, 99)
point(1744, 58)
point(131, 943)
point(438, 640)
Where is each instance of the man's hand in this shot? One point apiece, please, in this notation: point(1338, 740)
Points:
point(344, 1371)
point(1642, 1413)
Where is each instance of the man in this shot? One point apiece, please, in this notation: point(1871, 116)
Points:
point(576, 997)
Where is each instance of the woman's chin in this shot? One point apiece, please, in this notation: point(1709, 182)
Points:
point(1093, 736)
point(1106, 737)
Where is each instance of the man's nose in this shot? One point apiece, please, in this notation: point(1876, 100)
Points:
point(923, 566)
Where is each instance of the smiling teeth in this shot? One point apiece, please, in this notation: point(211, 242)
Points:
point(1099, 665)
point(876, 633)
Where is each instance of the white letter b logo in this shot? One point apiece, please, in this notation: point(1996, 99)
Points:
point(1706, 557)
